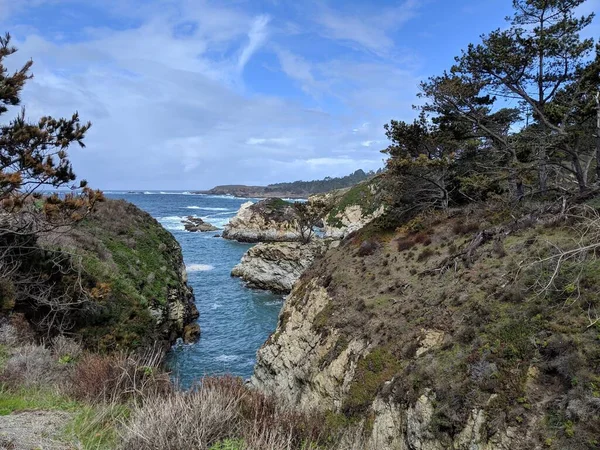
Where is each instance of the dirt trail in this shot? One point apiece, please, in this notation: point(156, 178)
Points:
point(29, 430)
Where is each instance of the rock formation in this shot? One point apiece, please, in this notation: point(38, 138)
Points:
point(350, 209)
point(270, 220)
point(277, 266)
point(195, 224)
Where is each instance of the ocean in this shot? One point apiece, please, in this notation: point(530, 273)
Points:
point(235, 320)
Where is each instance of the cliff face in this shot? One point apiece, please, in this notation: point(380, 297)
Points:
point(277, 266)
point(135, 277)
point(270, 220)
point(436, 336)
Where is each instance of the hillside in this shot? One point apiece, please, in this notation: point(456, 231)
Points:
point(458, 330)
point(116, 279)
point(296, 189)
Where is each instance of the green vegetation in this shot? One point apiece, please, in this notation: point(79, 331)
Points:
point(319, 186)
point(23, 399)
point(229, 444)
point(371, 372)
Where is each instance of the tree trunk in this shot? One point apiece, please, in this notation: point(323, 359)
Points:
point(581, 179)
point(598, 136)
point(543, 171)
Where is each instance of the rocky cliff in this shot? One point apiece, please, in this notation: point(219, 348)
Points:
point(277, 266)
point(444, 333)
point(270, 220)
point(121, 277)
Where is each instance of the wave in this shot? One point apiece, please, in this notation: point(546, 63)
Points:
point(199, 267)
point(172, 223)
point(226, 358)
point(223, 197)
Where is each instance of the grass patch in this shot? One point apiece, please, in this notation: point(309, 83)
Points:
point(229, 444)
point(22, 399)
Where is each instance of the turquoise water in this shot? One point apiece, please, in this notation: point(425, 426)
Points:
point(235, 320)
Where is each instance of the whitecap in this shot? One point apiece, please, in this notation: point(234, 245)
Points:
point(215, 306)
point(192, 207)
point(199, 267)
point(226, 358)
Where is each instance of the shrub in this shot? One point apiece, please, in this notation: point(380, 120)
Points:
point(367, 248)
point(465, 227)
point(196, 419)
point(405, 243)
point(117, 377)
point(66, 349)
point(425, 254)
point(32, 365)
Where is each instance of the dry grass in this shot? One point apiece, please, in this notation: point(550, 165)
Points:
point(32, 365)
point(119, 377)
point(220, 409)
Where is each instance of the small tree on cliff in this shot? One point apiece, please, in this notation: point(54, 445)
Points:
point(308, 216)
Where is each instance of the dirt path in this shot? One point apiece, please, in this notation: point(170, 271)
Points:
point(29, 430)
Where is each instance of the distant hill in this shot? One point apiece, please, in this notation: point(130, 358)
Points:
point(295, 189)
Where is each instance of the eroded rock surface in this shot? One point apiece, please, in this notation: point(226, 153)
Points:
point(277, 266)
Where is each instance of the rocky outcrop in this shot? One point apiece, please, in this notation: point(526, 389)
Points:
point(277, 266)
point(195, 224)
point(349, 210)
point(270, 220)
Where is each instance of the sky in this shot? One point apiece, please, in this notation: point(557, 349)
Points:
point(188, 94)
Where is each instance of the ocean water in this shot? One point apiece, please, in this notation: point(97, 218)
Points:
point(235, 320)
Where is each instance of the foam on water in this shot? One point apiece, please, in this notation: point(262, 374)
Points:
point(199, 268)
point(226, 358)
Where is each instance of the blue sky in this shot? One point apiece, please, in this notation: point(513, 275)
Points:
point(187, 94)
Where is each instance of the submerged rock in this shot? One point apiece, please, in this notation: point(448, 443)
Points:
point(277, 266)
point(270, 220)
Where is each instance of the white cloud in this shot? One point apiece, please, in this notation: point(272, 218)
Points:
point(366, 29)
point(256, 38)
point(171, 108)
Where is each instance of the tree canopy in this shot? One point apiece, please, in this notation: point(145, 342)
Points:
point(516, 115)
